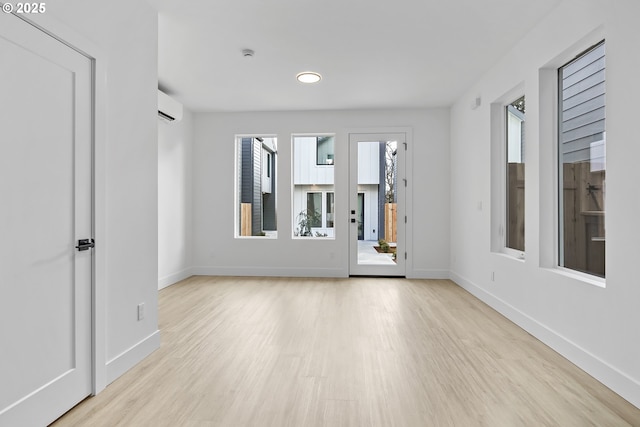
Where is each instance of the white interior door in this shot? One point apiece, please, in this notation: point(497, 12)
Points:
point(377, 204)
point(45, 208)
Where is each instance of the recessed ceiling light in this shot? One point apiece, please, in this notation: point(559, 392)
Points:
point(309, 77)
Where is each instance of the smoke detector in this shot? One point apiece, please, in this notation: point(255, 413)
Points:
point(247, 53)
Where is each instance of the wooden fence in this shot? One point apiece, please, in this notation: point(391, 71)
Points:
point(390, 222)
point(515, 211)
point(584, 234)
point(245, 219)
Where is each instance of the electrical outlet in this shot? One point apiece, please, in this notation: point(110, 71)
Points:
point(140, 311)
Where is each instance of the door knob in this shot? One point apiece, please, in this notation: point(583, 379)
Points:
point(85, 244)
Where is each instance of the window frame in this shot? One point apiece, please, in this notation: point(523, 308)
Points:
point(308, 185)
point(515, 252)
point(273, 165)
point(318, 137)
point(559, 173)
point(499, 184)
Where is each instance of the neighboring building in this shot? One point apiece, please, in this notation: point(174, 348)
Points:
point(314, 191)
point(313, 185)
point(257, 186)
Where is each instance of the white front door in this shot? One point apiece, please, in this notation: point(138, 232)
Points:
point(377, 204)
point(45, 208)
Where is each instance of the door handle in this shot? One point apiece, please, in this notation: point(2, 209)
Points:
point(85, 244)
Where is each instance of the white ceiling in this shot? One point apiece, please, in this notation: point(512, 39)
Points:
point(371, 53)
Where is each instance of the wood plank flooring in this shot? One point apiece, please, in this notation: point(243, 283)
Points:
point(345, 352)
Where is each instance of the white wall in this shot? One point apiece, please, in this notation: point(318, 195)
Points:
point(175, 147)
point(125, 32)
point(595, 327)
point(217, 252)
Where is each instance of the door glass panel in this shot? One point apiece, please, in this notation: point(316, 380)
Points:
point(377, 202)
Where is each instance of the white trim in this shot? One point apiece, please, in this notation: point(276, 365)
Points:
point(580, 276)
point(132, 356)
point(298, 272)
point(499, 141)
point(98, 56)
point(421, 273)
point(100, 222)
point(548, 122)
point(405, 165)
point(237, 151)
point(270, 272)
point(174, 278)
point(621, 383)
point(294, 188)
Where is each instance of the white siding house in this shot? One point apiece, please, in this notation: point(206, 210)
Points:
point(313, 189)
point(313, 180)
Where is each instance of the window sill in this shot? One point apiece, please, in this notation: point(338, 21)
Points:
point(516, 256)
point(313, 238)
point(581, 277)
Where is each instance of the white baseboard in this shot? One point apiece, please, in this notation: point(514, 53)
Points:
point(165, 281)
point(268, 272)
point(622, 384)
point(299, 272)
point(428, 274)
point(132, 356)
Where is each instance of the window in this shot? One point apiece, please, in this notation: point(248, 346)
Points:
point(515, 113)
point(256, 188)
point(329, 210)
point(268, 162)
point(582, 162)
point(324, 150)
point(508, 148)
point(314, 209)
point(313, 186)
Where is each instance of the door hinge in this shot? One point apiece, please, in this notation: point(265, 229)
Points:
point(405, 181)
point(405, 255)
point(405, 219)
point(405, 146)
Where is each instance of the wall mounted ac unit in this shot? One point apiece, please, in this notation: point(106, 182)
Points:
point(169, 110)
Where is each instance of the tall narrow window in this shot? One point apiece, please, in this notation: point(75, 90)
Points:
point(256, 186)
point(515, 175)
point(330, 210)
point(582, 162)
point(314, 209)
point(313, 185)
point(324, 150)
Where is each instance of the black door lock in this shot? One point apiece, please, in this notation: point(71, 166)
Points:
point(85, 244)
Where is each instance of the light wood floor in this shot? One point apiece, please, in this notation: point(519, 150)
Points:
point(345, 352)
